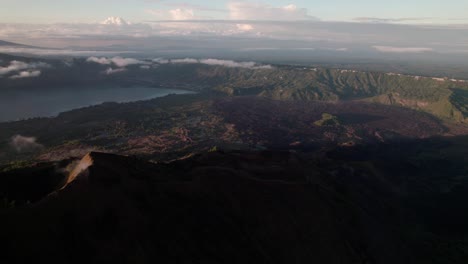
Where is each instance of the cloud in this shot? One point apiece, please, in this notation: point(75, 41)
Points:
point(173, 14)
point(25, 144)
point(123, 62)
point(51, 52)
point(184, 61)
point(199, 37)
point(391, 20)
point(26, 74)
point(103, 60)
point(110, 71)
point(256, 11)
point(182, 14)
point(161, 61)
point(233, 64)
point(196, 7)
point(14, 66)
point(27, 69)
point(118, 61)
point(115, 21)
point(245, 27)
point(214, 62)
point(391, 49)
point(51, 33)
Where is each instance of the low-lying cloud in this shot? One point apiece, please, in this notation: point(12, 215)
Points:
point(214, 62)
point(14, 66)
point(23, 144)
point(118, 64)
point(234, 64)
point(117, 61)
point(391, 49)
point(26, 74)
point(110, 71)
point(21, 69)
point(184, 61)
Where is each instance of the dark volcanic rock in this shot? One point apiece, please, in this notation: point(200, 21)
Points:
point(237, 207)
point(216, 208)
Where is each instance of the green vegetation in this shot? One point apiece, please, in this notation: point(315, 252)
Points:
point(5, 203)
point(15, 165)
point(213, 149)
point(327, 120)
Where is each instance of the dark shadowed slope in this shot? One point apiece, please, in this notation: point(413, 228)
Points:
point(6, 43)
point(354, 205)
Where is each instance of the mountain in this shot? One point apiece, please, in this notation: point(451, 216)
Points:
point(277, 164)
point(176, 126)
point(12, 44)
point(441, 97)
point(381, 203)
point(6, 43)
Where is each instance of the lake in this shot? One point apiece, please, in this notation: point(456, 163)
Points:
point(20, 104)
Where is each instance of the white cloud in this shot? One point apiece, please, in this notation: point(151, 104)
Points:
point(182, 14)
point(97, 60)
point(26, 68)
point(123, 62)
point(214, 62)
point(234, 64)
point(391, 49)
point(25, 144)
point(26, 74)
point(256, 11)
point(110, 71)
point(115, 21)
point(186, 60)
point(14, 66)
point(245, 27)
point(118, 61)
point(161, 61)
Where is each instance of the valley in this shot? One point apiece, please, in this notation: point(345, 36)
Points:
point(301, 162)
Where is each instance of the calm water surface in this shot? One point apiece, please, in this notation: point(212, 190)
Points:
point(17, 104)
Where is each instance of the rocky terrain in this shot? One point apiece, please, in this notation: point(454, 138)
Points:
point(276, 164)
point(394, 202)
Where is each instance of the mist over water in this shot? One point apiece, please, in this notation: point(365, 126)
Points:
point(20, 104)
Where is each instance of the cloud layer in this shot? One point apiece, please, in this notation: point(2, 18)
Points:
point(390, 49)
point(117, 61)
point(214, 62)
point(257, 11)
point(121, 63)
point(26, 74)
point(21, 69)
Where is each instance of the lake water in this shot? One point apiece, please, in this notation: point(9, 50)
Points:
point(17, 104)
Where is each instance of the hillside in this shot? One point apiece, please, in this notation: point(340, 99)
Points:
point(6, 43)
point(267, 165)
point(377, 203)
point(438, 96)
point(180, 125)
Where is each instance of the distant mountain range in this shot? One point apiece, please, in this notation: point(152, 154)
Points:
point(7, 43)
point(264, 164)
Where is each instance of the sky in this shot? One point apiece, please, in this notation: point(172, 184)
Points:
point(358, 28)
point(136, 11)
